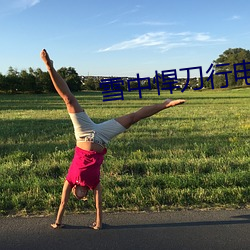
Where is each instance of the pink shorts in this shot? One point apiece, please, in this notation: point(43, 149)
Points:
point(85, 168)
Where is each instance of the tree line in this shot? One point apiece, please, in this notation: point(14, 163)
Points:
point(36, 81)
point(222, 73)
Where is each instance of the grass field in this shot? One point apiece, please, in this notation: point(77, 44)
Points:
point(192, 156)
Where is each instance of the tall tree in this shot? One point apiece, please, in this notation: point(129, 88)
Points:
point(12, 80)
point(231, 57)
point(27, 81)
point(71, 77)
point(3, 85)
point(43, 81)
point(91, 83)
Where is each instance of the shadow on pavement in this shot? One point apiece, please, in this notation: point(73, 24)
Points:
point(184, 224)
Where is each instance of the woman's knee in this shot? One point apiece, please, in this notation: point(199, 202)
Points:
point(127, 120)
point(72, 104)
point(69, 100)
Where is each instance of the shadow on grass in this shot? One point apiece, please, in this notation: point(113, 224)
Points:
point(22, 134)
point(95, 99)
point(35, 135)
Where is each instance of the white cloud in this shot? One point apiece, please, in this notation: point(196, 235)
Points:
point(148, 39)
point(112, 22)
point(234, 17)
point(165, 41)
point(24, 4)
point(202, 37)
point(172, 45)
point(150, 23)
point(8, 7)
point(131, 11)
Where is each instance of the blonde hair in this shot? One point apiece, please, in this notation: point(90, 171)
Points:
point(80, 192)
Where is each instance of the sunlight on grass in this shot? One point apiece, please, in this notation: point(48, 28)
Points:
point(194, 155)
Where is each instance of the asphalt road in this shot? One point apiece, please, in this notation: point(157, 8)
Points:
point(213, 230)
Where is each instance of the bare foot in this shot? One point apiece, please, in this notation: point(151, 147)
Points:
point(95, 227)
point(171, 103)
point(45, 57)
point(56, 225)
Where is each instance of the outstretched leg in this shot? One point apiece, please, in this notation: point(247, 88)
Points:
point(147, 111)
point(60, 85)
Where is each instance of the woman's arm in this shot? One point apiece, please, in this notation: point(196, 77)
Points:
point(64, 200)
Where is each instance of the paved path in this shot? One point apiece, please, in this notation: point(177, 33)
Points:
point(132, 231)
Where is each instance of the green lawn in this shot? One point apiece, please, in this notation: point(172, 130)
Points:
point(196, 155)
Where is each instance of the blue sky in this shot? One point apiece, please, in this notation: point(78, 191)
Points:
point(121, 38)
